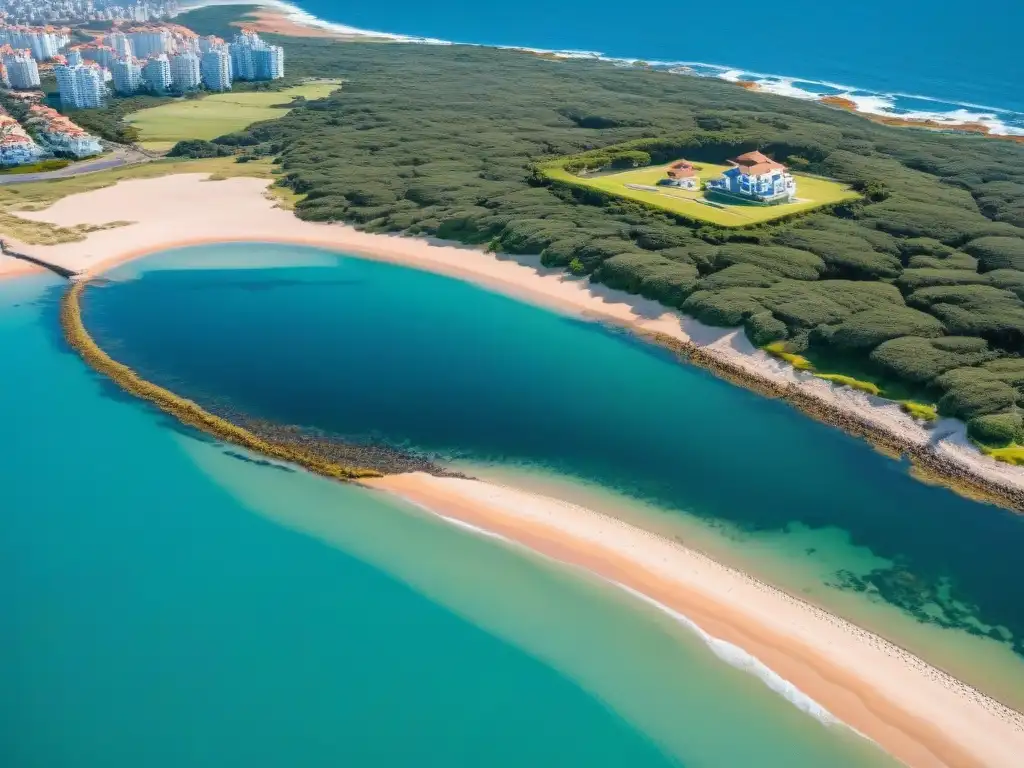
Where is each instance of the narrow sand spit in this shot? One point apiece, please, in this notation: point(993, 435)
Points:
point(919, 714)
point(186, 209)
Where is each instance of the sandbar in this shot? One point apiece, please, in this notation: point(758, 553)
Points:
point(917, 713)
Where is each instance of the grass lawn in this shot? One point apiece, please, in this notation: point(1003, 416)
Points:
point(811, 191)
point(214, 115)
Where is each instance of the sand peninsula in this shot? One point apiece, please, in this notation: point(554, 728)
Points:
point(916, 712)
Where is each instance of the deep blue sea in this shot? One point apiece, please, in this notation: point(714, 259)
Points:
point(962, 56)
point(166, 601)
point(376, 351)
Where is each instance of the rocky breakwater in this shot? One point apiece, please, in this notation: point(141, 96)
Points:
point(319, 452)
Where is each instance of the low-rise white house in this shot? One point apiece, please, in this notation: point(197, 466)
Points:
point(681, 174)
point(756, 177)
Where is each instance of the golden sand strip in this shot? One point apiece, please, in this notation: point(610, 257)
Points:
point(917, 713)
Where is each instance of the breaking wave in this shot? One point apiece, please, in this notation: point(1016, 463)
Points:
point(726, 651)
point(998, 121)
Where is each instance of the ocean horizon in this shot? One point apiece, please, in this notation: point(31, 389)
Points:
point(888, 60)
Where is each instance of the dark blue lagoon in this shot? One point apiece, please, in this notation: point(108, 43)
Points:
point(167, 601)
point(374, 351)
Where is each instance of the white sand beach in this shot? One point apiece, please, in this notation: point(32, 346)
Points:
point(917, 713)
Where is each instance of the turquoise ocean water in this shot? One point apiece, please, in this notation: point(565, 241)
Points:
point(375, 351)
point(166, 601)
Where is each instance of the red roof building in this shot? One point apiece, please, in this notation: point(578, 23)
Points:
point(681, 170)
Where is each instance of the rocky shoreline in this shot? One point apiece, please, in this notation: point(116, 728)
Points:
point(929, 465)
point(378, 457)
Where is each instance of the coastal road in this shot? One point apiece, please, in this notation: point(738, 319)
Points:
point(118, 157)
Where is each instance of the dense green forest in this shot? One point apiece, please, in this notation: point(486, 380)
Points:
point(918, 285)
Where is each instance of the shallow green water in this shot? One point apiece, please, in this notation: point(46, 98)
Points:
point(373, 350)
point(165, 601)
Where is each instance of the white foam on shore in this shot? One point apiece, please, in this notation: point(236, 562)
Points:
point(736, 657)
point(731, 654)
point(1000, 122)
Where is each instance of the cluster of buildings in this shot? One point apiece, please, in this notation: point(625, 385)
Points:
point(16, 146)
point(753, 176)
point(134, 58)
point(42, 42)
point(18, 68)
point(58, 134)
point(39, 12)
point(43, 132)
point(161, 59)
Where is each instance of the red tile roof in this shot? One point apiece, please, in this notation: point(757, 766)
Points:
point(757, 164)
point(681, 170)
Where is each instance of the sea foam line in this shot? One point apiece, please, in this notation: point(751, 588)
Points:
point(998, 121)
point(731, 654)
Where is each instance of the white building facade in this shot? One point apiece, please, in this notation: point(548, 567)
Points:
point(22, 70)
point(156, 73)
point(269, 62)
point(216, 69)
point(82, 86)
point(150, 41)
point(127, 75)
point(253, 59)
point(185, 74)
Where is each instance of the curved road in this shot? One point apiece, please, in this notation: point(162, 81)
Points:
point(118, 157)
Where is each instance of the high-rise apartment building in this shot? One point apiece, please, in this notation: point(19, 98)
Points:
point(121, 44)
point(216, 69)
point(81, 86)
point(156, 73)
point(254, 59)
point(22, 70)
point(185, 75)
point(268, 62)
point(127, 75)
